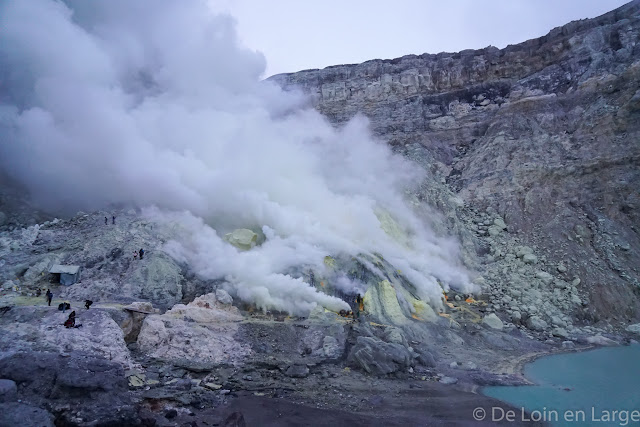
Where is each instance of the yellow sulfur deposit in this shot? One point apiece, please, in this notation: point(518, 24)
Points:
point(381, 301)
point(329, 262)
point(392, 228)
point(242, 238)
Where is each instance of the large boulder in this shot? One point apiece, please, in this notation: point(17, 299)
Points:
point(8, 391)
point(493, 321)
point(425, 357)
point(634, 328)
point(39, 270)
point(560, 332)
point(223, 297)
point(601, 340)
point(544, 276)
point(521, 251)
point(395, 335)
point(202, 331)
point(536, 324)
point(157, 278)
point(332, 348)
point(297, 371)
point(28, 328)
point(242, 238)
point(378, 357)
point(320, 315)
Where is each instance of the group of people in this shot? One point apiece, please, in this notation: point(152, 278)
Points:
point(136, 254)
point(139, 253)
point(358, 308)
point(64, 306)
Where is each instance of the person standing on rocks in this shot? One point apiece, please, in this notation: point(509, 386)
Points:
point(49, 295)
point(359, 305)
point(106, 220)
point(113, 220)
point(141, 253)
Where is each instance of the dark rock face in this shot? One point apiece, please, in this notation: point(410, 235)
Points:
point(76, 389)
point(16, 414)
point(297, 371)
point(8, 391)
point(378, 357)
point(544, 133)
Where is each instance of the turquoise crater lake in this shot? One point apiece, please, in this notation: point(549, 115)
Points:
point(579, 388)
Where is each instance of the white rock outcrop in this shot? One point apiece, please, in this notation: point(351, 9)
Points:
point(601, 340)
point(41, 329)
point(493, 321)
point(201, 331)
point(634, 328)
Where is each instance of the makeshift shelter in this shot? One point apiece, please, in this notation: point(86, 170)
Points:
point(66, 274)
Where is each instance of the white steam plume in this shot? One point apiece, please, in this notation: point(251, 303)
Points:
point(155, 103)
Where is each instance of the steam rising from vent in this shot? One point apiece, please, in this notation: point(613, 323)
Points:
point(156, 103)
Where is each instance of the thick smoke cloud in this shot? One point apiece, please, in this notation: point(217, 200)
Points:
point(155, 103)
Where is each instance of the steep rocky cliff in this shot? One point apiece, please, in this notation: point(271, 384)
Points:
point(543, 135)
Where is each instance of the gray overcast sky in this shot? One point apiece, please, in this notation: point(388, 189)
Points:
point(301, 34)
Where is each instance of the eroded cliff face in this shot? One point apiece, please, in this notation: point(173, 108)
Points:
point(544, 135)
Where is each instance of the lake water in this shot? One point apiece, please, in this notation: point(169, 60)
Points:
point(579, 389)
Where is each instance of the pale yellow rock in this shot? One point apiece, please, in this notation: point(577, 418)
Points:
point(381, 301)
point(320, 314)
point(329, 262)
point(242, 238)
point(392, 228)
point(212, 386)
point(137, 380)
point(423, 310)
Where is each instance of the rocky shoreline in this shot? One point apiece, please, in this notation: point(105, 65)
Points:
point(65, 387)
point(61, 376)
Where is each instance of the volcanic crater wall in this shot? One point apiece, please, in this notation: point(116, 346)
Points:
point(546, 133)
